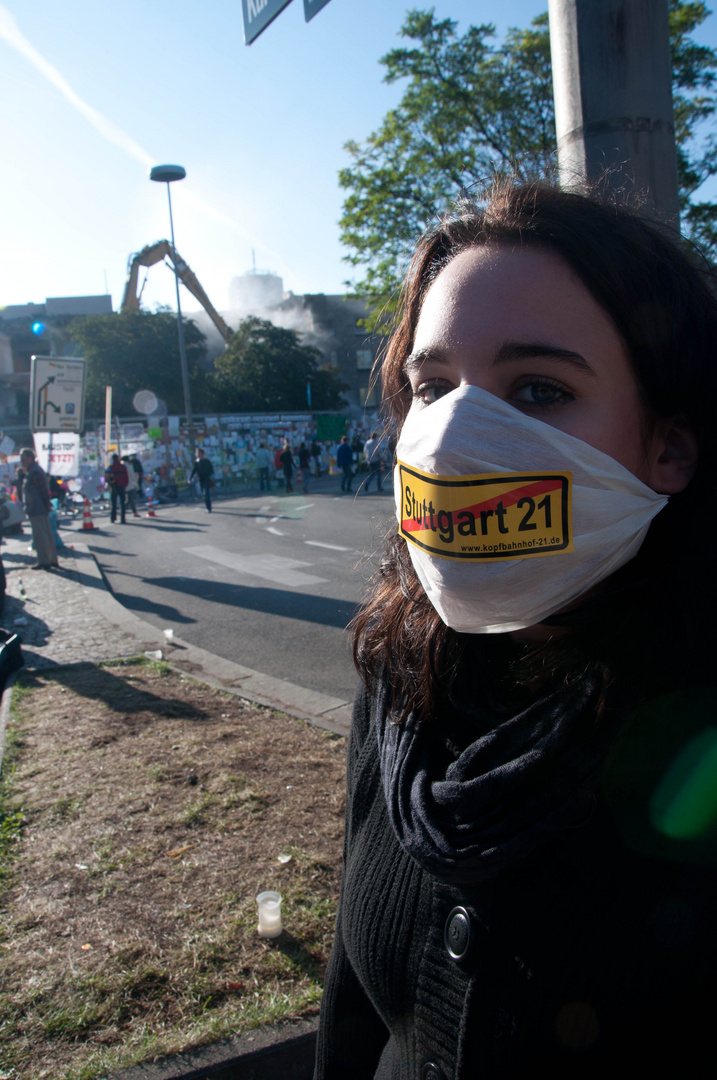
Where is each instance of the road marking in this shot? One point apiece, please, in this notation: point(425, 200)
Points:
point(274, 568)
point(332, 547)
point(276, 532)
point(275, 519)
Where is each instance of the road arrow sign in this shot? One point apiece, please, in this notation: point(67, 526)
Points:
point(57, 394)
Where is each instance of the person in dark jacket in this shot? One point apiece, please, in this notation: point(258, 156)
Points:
point(287, 463)
point(117, 478)
point(36, 497)
point(530, 859)
point(139, 472)
point(204, 471)
point(305, 466)
point(345, 460)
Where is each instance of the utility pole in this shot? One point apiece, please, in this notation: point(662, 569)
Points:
point(612, 83)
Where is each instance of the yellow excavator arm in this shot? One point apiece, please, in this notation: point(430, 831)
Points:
point(154, 253)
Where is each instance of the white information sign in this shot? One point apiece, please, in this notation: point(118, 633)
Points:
point(57, 394)
point(58, 455)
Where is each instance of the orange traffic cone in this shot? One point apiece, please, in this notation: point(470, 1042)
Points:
point(87, 523)
point(150, 507)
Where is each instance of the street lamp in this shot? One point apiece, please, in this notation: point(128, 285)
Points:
point(166, 174)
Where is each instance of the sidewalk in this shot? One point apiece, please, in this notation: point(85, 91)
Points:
point(70, 616)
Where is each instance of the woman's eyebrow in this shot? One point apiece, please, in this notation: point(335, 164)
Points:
point(416, 360)
point(510, 352)
point(540, 350)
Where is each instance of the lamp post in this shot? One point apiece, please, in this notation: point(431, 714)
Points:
point(166, 174)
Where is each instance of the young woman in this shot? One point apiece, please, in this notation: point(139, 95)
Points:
point(531, 856)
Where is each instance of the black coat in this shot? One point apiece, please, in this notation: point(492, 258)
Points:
point(587, 959)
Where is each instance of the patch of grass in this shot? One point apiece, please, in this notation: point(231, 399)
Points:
point(245, 794)
point(11, 823)
point(12, 815)
point(67, 808)
point(116, 948)
point(196, 814)
point(157, 667)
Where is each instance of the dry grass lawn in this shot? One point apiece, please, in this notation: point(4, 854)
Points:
point(141, 814)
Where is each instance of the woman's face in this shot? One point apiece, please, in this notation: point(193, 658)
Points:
point(520, 325)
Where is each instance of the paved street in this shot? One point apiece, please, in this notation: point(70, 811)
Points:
point(266, 581)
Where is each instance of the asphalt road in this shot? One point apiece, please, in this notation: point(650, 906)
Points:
point(269, 581)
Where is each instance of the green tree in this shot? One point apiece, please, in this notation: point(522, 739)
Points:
point(694, 71)
point(471, 109)
point(266, 368)
point(138, 350)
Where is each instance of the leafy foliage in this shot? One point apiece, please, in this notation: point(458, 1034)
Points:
point(267, 368)
point(137, 350)
point(694, 69)
point(471, 109)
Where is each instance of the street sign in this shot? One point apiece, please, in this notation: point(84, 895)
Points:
point(57, 394)
point(258, 14)
point(58, 455)
point(313, 7)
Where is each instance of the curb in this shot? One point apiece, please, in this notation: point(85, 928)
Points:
point(324, 711)
point(285, 1050)
point(5, 706)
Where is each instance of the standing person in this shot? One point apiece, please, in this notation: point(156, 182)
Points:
point(36, 496)
point(131, 489)
point(357, 446)
point(204, 471)
point(304, 465)
point(139, 473)
point(263, 464)
point(316, 455)
point(117, 478)
point(374, 461)
point(345, 460)
point(287, 464)
point(530, 872)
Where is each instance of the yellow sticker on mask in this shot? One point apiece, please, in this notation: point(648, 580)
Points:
point(490, 516)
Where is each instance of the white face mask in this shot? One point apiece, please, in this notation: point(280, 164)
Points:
point(507, 518)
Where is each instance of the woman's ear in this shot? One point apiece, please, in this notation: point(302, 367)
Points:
point(674, 455)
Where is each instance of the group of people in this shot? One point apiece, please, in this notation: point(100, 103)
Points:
point(285, 461)
point(124, 479)
point(377, 452)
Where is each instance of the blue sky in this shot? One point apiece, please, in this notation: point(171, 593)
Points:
point(91, 94)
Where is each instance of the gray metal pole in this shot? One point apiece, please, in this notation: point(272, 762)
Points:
point(612, 83)
point(180, 328)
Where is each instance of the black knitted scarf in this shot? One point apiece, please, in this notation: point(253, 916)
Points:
point(474, 791)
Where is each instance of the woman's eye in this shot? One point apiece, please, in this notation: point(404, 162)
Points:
point(542, 394)
point(427, 393)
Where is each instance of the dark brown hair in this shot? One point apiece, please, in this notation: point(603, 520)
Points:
point(653, 614)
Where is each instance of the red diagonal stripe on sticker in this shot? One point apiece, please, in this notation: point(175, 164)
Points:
point(509, 498)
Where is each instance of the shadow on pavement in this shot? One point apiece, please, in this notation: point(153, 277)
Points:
point(18, 618)
point(289, 605)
